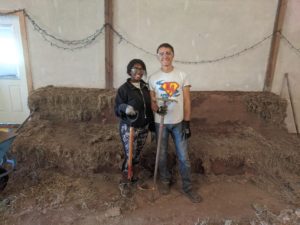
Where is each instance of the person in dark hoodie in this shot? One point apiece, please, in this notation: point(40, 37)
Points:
point(133, 108)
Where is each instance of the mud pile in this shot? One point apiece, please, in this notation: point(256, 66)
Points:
point(73, 130)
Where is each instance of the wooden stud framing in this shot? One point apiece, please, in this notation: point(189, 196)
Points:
point(275, 44)
point(108, 44)
point(286, 76)
point(23, 31)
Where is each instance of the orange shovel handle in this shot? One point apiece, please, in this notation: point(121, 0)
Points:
point(129, 163)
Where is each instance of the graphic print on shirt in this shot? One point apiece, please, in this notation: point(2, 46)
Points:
point(170, 88)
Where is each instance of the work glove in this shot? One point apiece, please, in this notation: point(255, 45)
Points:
point(186, 131)
point(130, 111)
point(162, 110)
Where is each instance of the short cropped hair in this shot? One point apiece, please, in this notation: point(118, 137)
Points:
point(165, 45)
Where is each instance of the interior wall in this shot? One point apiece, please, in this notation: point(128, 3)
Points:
point(289, 62)
point(198, 30)
point(68, 20)
point(222, 45)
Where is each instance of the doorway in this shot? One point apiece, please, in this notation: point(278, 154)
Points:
point(14, 69)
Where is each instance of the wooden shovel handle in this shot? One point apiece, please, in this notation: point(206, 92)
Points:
point(129, 163)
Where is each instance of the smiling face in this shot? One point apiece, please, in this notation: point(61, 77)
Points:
point(165, 56)
point(137, 72)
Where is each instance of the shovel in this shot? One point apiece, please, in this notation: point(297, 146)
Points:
point(131, 120)
point(127, 192)
point(161, 126)
point(129, 162)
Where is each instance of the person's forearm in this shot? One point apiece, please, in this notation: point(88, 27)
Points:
point(187, 104)
point(187, 111)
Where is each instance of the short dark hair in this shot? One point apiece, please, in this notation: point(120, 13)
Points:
point(165, 45)
point(133, 62)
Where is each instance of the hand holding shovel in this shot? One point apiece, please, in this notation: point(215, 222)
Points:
point(162, 111)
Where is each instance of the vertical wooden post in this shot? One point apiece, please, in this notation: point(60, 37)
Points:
point(108, 44)
point(23, 30)
point(281, 8)
point(286, 76)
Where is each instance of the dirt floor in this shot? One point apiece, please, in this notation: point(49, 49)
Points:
point(245, 165)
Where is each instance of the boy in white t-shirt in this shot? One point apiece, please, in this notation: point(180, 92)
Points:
point(173, 84)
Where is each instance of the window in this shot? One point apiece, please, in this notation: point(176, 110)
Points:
point(9, 57)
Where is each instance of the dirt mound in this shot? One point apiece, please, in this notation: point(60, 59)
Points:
point(70, 130)
point(74, 148)
point(69, 156)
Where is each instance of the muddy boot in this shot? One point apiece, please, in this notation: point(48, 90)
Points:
point(193, 196)
point(126, 190)
point(125, 186)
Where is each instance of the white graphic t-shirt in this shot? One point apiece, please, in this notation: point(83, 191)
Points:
point(169, 85)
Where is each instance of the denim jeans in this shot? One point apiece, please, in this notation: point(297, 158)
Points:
point(181, 145)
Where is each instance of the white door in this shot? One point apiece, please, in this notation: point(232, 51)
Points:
point(13, 83)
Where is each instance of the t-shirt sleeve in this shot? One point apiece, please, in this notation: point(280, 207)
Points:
point(150, 83)
point(186, 80)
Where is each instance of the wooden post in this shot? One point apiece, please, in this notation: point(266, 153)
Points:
point(286, 76)
point(23, 30)
point(275, 44)
point(108, 44)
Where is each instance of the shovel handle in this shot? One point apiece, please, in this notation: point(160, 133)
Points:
point(161, 126)
point(25, 121)
point(160, 132)
point(129, 163)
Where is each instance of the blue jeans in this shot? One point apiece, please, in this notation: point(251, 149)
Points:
point(181, 145)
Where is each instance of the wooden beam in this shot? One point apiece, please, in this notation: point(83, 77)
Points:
point(23, 30)
point(278, 24)
point(108, 44)
point(286, 76)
